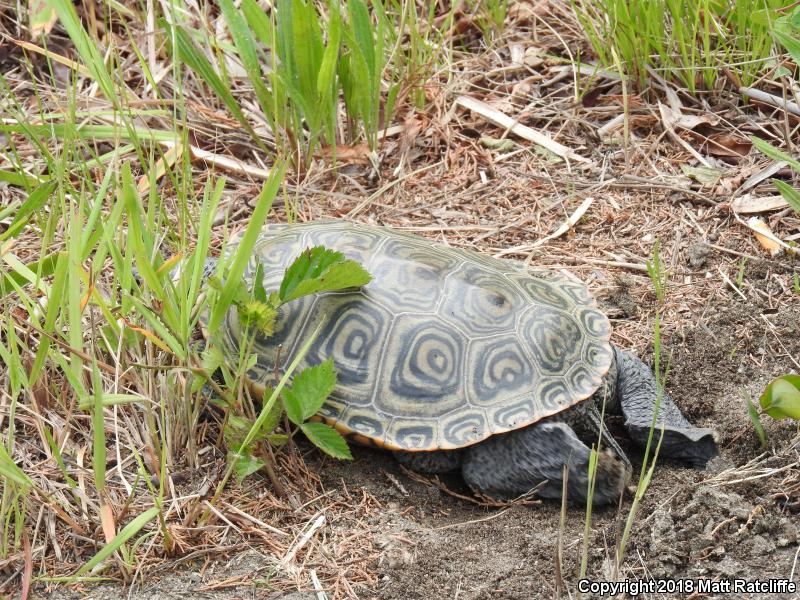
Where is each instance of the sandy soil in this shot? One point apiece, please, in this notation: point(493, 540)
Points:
point(731, 520)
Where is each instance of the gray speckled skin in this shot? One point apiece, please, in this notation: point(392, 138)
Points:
point(533, 458)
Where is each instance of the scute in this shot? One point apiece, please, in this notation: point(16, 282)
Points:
point(554, 337)
point(499, 367)
point(444, 347)
point(423, 369)
point(480, 302)
point(412, 276)
point(354, 333)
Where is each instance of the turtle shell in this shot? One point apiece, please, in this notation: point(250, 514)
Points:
point(443, 348)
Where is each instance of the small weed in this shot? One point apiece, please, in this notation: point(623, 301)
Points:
point(658, 274)
point(780, 400)
point(740, 273)
point(648, 462)
point(490, 16)
point(315, 270)
point(686, 41)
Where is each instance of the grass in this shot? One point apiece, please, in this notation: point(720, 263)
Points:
point(687, 42)
point(358, 58)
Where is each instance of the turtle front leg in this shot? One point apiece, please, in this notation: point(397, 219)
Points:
point(533, 458)
point(636, 398)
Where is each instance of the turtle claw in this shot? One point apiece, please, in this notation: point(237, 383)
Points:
point(611, 477)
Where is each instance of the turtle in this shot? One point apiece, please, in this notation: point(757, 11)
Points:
point(458, 361)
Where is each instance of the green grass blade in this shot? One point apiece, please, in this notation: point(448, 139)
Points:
point(98, 432)
point(36, 200)
point(85, 46)
point(11, 472)
point(790, 194)
point(245, 249)
point(246, 47)
point(775, 153)
point(123, 536)
point(191, 55)
point(54, 299)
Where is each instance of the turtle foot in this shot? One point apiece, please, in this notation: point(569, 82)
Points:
point(638, 393)
point(694, 445)
point(533, 459)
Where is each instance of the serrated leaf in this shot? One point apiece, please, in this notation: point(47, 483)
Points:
point(236, 427)
point(245, 464)
point(258, 315)
point(309, 390)
point(274, 415)
point(259, 293)
point(781, 398)
point(319, 270)
point(327, 439)
point(278, 440)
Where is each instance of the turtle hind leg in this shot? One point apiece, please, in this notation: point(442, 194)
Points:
point(533, 458)
point(637, 392)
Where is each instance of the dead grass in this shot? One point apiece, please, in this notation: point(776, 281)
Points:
point(445, 174)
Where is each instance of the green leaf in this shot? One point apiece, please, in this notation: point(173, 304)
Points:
point(781, 399)
point(319, 270)
point(775, 153)
point(788, 41)
point(259, 293)
point(259, 22)
point(86, 47)
point(246, 47)
point(327, 439)
point(258, 315)
point(704, 175)
point(755, 418)
point(10, 471)
point(98, 431)
point(190, 54)
point(245, 464)
point(279, 440)
point(235, 430)
point(36, 200)
point(53, 309)
point(309, 390)
point(20, 179)
point(791, 195)
point(274, 414)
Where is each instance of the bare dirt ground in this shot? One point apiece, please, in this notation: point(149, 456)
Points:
point(738, 518)
point(374, 531)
